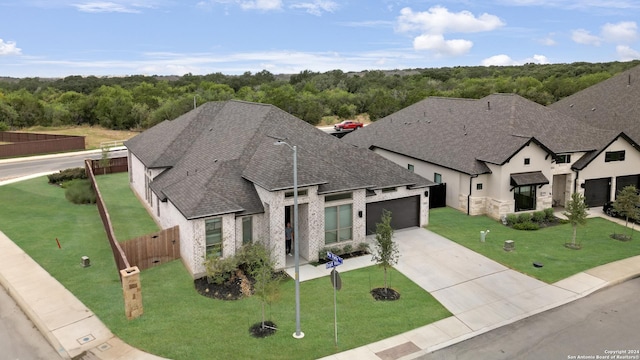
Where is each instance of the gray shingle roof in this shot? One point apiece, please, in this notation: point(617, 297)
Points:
point(216, 152)
point(612, 104)
point(464, 135)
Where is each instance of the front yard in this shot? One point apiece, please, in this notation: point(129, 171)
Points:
point(545, 246)
point(178, 323)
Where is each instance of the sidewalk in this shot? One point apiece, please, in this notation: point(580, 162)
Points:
point(69, 326)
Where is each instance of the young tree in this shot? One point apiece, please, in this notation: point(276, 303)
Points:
point(387, 253)
point(627, 205)
point(576, 212)
point(260, 266)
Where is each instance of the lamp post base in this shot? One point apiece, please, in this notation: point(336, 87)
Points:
point(298, 336)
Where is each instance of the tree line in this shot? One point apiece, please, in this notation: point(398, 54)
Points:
point(139, 102)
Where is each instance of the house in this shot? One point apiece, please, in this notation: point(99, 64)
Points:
point(217, 173)
point(500, 154)
point(612, 105)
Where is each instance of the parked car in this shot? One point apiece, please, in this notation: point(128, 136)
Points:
point(347, 125)
point(608, 209)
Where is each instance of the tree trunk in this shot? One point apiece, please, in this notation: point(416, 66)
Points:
point(575, 231)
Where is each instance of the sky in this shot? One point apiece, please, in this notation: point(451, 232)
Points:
point(58, 38)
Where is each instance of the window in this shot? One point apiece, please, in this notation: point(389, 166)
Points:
point(338, 222)
point(289, 194)
point(213, 232)
point(437, 178)
point(337, 197)
point(563, 159)
point(389, 189)
point(479, 186)
point(614, 156)
point(525, 197)
point(527, 161)
point(410, 167)
point(247, 230)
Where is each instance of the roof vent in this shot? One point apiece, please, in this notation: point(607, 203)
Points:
point(488, 105)
point(571, 105)
point(593, 109)
point(629, 81)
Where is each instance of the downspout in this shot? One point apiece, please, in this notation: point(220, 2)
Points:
point(469, 196)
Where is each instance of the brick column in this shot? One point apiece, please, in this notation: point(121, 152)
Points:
point(132, 292)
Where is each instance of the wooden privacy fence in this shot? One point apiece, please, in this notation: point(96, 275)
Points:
point(115, 165)
point(20, 144)
point(145, 251)
point(153, 249)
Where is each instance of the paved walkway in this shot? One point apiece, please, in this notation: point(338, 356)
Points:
point(481, 294)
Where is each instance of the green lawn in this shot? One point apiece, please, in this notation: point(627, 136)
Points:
point(545, 245)
point(128, 217)
point(178, 323)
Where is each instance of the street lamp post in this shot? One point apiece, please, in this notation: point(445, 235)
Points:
point(296, 247)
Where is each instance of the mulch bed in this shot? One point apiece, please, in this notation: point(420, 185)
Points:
point(382, 294)
point(259, 331)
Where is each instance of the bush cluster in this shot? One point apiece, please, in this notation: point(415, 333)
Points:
point(342, 250)
point(247, 258)
point(79, 191)
point(530, 221)
point(67, 175)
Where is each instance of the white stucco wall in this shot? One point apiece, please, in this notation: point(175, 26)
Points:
point(454, 180)
point(598, 168)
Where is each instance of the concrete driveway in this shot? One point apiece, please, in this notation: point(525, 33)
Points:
point(477, 290)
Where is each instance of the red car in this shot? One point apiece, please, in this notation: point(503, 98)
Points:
point(347, 125)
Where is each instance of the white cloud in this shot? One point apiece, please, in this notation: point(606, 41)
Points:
point(504, 60)
point(105, 6)
point(440, 46)
point(548, 41)
point(626, 53)
point(582, 36)
point(261, 5)
point(621, 33)
point(9, 48)
point(316, 7)
point(438, 20)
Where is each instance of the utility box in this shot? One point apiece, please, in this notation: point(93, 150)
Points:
point(509, 245)
point(483, 236)
point(85, 261)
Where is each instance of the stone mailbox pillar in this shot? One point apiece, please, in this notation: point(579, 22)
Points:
point(132, 292)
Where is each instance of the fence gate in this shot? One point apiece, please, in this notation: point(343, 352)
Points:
point(438, 196)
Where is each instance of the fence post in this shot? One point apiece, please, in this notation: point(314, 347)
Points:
point(132, 291)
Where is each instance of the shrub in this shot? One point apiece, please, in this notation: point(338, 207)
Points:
point(524, 217)
point(512, 219)
point(220, 270)
point(67, 175)
point(363, 246)
point(549, 214)
point(347, 249)
point(79, 191)
point(528, 225)
point(538, 216)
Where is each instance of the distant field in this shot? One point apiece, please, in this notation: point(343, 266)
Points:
point(94, 135)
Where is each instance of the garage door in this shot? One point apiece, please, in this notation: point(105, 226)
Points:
point(622, 181)
point(596, 192)
point(405, 212)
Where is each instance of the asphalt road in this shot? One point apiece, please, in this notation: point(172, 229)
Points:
point(19, 338)
point(604, 325)
point(40, 164)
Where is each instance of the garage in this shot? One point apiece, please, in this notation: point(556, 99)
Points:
point(623, 181)
point(405, 212)
point(596, 191)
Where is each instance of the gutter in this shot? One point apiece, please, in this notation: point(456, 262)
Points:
point(469, 196)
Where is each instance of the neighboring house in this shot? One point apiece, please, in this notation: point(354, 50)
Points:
point(500, 154)
point(613, 104)
point(217, 173)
